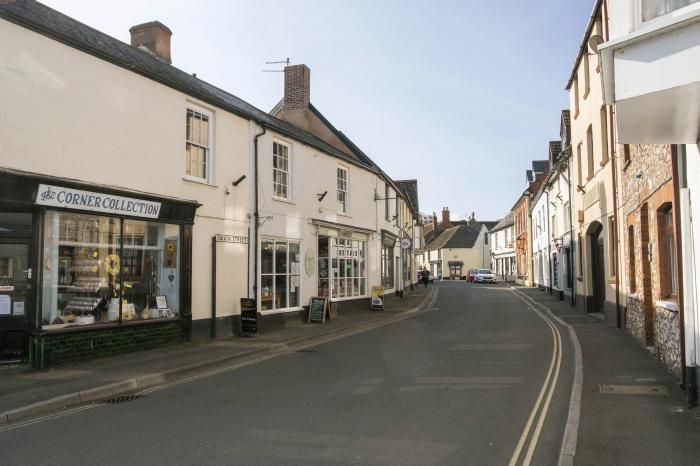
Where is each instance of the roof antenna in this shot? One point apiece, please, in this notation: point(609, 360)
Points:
point(286, 62)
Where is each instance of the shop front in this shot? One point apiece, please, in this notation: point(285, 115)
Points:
point(343, 266)
point(89, 271)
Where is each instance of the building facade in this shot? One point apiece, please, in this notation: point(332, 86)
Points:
point(502, 239)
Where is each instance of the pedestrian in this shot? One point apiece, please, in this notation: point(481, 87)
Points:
point(425, 275)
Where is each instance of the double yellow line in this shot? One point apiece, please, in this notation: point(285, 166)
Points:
point(543, 400)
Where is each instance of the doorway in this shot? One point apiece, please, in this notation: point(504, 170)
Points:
point(15, 298)
point(598, 268)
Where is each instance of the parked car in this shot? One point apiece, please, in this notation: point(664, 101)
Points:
point(485, 276)
point(471, 275)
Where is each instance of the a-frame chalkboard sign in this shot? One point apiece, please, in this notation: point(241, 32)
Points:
point(318, 308)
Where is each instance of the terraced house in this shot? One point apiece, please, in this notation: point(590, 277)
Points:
point(139, 203)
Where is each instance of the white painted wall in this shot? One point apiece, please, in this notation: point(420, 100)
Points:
point(68, 114)
point(540, 241)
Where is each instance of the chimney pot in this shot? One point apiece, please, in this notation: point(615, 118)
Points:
point(297, 87)
point(155, 36)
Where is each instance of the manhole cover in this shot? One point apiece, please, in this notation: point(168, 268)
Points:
point(122, 399)
point(626, 389)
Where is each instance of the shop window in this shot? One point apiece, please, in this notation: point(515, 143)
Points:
point(342, 267)
point(280, 170)
point(102, 269)
point(197, 145)
point(631, 259)
point(342, 190)
point(667, 252)
point(387, 266)
point(280, 282)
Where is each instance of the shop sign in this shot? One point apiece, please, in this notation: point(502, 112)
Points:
point(7, 288)
point(377, 300)
point(67, 198)
point(231, 239)
point(348, 253)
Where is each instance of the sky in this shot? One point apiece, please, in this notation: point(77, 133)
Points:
point(461, 95)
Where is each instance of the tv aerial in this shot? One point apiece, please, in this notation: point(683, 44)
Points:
point(278, 62)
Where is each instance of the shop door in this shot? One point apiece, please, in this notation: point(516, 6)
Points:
point(15, 298)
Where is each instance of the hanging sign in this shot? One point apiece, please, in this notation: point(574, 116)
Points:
point(67, 198)
point(231, 239)
point(405, 243)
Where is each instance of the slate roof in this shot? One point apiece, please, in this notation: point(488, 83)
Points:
point(460, 236)
point(505, 222)
point(57, 26)
point(410, 190)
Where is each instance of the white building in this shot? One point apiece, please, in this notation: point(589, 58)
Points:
point(540, 234)
point(502, 239)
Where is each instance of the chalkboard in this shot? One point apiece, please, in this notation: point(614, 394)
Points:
point(317, 309)
point(249, 317)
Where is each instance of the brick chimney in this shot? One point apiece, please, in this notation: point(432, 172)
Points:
point(446, 217)
point(155, 36)
point(434, 222)
point(297, 87)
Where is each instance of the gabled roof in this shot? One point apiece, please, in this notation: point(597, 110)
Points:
point(505, 222)
point(458, 237)
point(410, 190)
point(57, 26)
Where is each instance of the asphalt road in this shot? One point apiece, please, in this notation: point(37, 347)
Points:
point(455, 384)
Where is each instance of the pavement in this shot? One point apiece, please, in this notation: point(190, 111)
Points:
point(624, 428)
point(478, 377)
point(26, 393)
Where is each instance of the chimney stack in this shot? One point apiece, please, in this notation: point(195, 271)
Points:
point(297, 87)
point(155, 36)
point(434, 222)
point(446, 217)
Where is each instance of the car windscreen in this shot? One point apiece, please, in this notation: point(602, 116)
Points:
point(485, 271)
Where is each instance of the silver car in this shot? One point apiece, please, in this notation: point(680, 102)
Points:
point(484, 276)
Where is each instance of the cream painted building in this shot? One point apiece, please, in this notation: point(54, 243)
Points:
point(594, 176)
point(128, 198)
point(502, 239)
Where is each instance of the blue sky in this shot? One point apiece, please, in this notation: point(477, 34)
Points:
point(460, 95)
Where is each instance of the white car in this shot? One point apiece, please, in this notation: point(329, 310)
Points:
point(484, 276)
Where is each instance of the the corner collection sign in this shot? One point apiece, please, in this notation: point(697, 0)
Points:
point(56, 196)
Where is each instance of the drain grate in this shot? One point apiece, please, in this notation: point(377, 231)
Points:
point(628, 389)
point(122, 399)
point(306, 351)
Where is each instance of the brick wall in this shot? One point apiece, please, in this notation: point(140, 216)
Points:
point(297, 87)
point(57, 349)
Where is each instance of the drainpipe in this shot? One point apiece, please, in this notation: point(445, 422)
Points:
point(613, 151)
point(680, 262)
point(572, 243)
point(256, 212)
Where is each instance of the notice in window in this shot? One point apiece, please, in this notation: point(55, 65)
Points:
point(5, 305)
point(18, 308)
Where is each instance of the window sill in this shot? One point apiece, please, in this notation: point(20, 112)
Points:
point(193, 179)
point(344, 214)
point(281, 311)
point(668, 304)
point(281, 199)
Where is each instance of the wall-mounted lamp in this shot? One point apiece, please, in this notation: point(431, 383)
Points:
point(321, 195)
point(238, 181)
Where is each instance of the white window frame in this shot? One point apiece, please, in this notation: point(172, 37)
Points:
point(288, 171)
point(346, 207)
point(209, 149)
point(274, 274)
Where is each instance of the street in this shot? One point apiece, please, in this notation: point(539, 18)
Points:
point(464, 382)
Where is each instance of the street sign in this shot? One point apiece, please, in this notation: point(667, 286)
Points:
point(231, 239)
point(317, 309)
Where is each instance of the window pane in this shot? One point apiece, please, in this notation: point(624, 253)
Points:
point(323, 287)
point(294, 290)
point(204, 138)
point(280, 291)
point(11, 222)
point(280, 257)
point(266, 290)
point(322, 246)
point(266, 249)
point(81, 274)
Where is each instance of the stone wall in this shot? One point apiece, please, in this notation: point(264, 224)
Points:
point(635, 318)
point(667, 338)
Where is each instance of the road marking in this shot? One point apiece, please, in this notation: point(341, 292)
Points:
point(548, 387)
point(48, 417)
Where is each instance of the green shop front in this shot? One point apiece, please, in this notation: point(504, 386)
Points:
point(89, 271)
